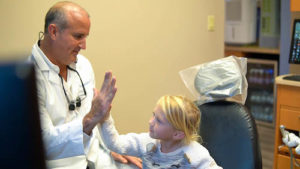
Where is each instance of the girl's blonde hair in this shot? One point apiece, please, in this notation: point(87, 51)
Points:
point(183, 115)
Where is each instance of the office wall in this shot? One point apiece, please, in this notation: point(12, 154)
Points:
point(145, 44)
point(285, 36)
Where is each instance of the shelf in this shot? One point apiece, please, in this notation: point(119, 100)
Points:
point(252, 49)
point(265, 124)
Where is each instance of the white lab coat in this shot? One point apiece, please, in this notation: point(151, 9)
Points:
point(65, 143)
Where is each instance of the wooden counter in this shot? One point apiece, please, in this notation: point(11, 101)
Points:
point(287, 114)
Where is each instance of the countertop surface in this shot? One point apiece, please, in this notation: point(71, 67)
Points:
point(281, 80)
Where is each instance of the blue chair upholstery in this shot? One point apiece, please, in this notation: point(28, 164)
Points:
point(229, 133)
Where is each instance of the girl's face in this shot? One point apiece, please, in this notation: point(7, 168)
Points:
point(159, 127)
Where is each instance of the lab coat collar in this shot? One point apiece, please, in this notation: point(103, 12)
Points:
point(45, 65)
point(43, 62)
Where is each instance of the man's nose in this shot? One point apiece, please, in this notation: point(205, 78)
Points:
point(82, 44)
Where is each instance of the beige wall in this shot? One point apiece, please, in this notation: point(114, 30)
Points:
point(144, 42)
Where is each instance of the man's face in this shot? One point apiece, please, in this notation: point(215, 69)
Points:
point(72, 39)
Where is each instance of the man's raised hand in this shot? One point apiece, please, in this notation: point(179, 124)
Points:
point(101, 103)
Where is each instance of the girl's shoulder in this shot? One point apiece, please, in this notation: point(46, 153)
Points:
point(195, 149)
point(199, 156)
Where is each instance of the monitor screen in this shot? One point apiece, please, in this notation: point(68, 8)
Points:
point(295, 44)
point(21, 144)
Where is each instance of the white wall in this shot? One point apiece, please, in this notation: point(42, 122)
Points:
point(144, 42)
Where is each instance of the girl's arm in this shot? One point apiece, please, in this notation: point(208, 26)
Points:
point(129, 144)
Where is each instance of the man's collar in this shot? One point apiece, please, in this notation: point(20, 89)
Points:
point(43, 62)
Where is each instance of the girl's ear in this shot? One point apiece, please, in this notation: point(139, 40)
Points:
point(178, 135)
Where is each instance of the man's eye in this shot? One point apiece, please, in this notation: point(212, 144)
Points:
point(78, 36)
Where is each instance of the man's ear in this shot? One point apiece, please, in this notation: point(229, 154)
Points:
point(178, 135)
point(52, 30)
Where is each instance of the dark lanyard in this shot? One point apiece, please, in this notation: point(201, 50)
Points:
point(77, 103)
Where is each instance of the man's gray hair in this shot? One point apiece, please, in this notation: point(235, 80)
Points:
point(55, 15)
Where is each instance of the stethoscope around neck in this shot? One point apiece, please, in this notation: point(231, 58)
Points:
point(73, 103)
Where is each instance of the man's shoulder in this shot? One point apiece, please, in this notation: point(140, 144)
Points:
point(83, 62)
point(82, 59)
point(84, 66)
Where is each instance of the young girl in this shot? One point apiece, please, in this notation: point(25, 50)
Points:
point(171, 141)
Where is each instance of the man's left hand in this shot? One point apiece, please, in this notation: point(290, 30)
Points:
point(127, 159)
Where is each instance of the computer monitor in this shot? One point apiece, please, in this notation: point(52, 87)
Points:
point(294, 57)
point(295, 44)
point(21, 143)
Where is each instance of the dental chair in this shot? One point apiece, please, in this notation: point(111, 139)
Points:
point(229, 133)
point(227, 129)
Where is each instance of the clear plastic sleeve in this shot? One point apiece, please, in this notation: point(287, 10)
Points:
point(222, 79)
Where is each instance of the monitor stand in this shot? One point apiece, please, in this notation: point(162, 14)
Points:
point(292, 77)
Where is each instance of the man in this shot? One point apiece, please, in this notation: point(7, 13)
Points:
point(70, 107)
